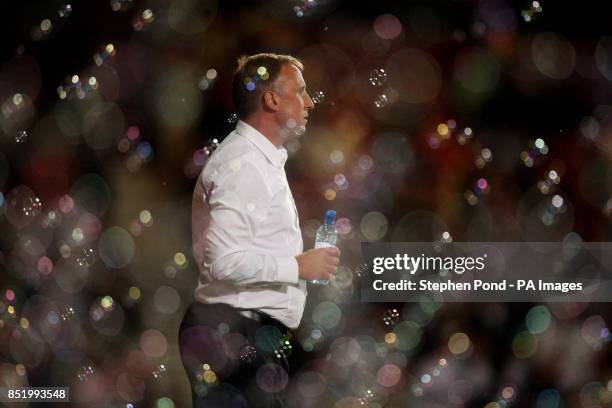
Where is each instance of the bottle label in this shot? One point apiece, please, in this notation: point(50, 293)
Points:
point(323, 245)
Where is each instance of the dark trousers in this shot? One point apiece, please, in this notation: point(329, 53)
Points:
point(233, 360)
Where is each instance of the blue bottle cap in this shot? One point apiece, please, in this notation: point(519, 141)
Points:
point(330, 217)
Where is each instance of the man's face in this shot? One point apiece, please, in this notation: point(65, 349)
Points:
point(294, 100)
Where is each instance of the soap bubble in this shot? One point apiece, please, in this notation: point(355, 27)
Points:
point(85, 373)
point(22, 206)
point(65, 10)
point(381, 101)
point(248, 354)
point(318, 97)
point(361, 270)
point(159, 371)
point(530, 14)
point(378, 77)
point(86, 258)
point(211, 146)
point(391, 317)
point(21, 137)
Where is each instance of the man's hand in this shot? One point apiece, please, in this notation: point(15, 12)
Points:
point(320, 263)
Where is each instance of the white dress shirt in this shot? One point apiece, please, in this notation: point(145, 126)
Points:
point(246, 231)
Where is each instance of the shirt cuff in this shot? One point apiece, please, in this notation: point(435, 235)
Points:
point(287, 271)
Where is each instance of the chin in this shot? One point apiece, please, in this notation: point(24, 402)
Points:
point(299, 130)
point(294, 133)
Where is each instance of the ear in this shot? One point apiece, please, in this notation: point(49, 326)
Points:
point(270, 100)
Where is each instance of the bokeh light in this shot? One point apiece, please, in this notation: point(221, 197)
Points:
point(116, 247)
point(443, 122)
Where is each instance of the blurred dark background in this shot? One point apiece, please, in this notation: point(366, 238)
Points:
point(435, 121)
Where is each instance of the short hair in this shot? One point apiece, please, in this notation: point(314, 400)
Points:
point(253, 75)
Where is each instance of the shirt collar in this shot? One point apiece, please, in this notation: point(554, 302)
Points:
point(275, 155)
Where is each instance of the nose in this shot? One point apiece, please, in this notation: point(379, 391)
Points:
point(309, 103)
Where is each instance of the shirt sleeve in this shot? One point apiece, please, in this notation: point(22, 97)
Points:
point(239, 200)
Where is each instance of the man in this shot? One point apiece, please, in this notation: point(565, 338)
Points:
point(248, 245)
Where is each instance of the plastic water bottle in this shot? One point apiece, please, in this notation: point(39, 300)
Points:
point(326, 237)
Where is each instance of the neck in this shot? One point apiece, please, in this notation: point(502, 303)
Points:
point(267, 128)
